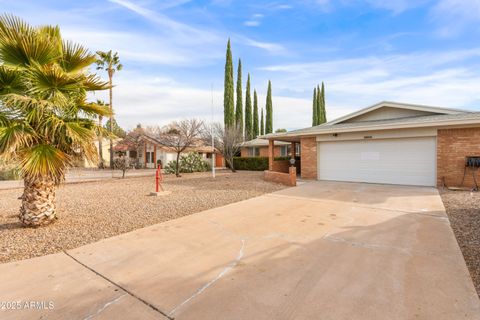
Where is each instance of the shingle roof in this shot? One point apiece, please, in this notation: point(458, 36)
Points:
point(419, 121)
point(262, 143)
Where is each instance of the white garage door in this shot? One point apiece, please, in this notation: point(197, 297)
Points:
point(409, 161)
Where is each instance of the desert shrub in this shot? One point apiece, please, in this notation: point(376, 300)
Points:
point(9, 171)
point(191, 162)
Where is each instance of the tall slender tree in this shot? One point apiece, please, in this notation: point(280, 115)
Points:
point(239, 105)
point(101, 164)
point(314, 112)
point(248, 112)
point(323, 113)
point(319, 105)
point(255, 115)
point(228, 91)
point(109, 62)
point(269, 110)
point(262, 124)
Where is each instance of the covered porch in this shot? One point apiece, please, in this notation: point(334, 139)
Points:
point(281, 170)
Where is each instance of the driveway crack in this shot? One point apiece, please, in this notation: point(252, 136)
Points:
point(118, 286)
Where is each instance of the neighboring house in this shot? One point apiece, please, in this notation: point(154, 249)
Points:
point(146, 151)
point(106, 154)
point(391, 143)
point(259, 148)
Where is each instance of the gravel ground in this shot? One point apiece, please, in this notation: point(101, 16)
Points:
point(92, 211)
point(463, 209)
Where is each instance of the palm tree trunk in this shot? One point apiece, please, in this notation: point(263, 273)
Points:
point(110, 75)
point(38, 201)
point(100, 145)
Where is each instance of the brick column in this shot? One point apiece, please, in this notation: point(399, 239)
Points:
point(271, 148)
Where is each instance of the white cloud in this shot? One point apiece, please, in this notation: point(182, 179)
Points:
point(429, 78)
point(453, 16)
point(252, 23)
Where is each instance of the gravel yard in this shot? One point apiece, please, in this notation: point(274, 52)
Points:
point(463, 209)
point(92, 211)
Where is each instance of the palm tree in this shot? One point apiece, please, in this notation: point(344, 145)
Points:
point(101, 165)
point(111, 63)
point(45, 122)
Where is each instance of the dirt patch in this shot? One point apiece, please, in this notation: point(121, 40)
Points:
point(92, 211)
point(463, 209)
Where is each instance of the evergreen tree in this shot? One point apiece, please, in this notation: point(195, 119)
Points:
point(116, 129)
point(239, 105)
point(269, 110)
point(256, 131)
point(314, 113)
point(228, 92)
point(262, 125)
point(319, 106)
point(323, 113)
point(248, 112)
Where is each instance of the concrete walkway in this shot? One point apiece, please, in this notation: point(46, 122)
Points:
point(318, 251)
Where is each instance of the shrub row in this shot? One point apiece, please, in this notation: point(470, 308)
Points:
point(253, 163)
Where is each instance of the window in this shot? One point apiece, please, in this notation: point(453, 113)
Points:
point(284, 151)
point(254, 152)
point(149, 157)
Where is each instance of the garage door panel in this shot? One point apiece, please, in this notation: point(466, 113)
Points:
point(396, 161)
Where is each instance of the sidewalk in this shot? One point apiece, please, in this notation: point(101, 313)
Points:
point(86, 175)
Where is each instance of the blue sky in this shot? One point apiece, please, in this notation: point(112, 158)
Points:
point(173, 51)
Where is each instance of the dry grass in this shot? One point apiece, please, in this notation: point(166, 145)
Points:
point(92, 211)
point(463, 209)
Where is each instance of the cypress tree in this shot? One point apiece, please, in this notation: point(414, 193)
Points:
point(319, 106)
point(262, 125)
point(255, 115)
point(228, 91)
point(269, 110)
point(239, 105)
point(314, 113)
point(248, 112)
point(322, 104)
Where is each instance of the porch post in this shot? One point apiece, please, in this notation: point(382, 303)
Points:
point(271, 148)
point(292, 150)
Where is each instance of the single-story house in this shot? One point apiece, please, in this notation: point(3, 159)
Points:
point(259, 148)
point(389, 142)
point(146, 151)
point(83, 163)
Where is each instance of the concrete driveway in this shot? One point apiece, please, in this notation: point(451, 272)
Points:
point(318, 251)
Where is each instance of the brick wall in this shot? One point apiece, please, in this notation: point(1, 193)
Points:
point(453, 145)
point(288, 179)
point(308, 154)
point(280, 165)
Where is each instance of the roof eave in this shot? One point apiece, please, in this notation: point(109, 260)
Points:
point(446, 123)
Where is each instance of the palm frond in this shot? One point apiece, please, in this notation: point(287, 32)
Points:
point(21, 45)
point(44, 160)
point(11, 81)
point(14, 136)
point(76, 57)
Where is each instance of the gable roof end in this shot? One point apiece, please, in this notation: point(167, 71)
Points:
point(433, 110)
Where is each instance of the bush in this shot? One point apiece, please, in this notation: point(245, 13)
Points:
point(250, 163)
point(9, 171)
point(192, 162)
point(254, 163)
